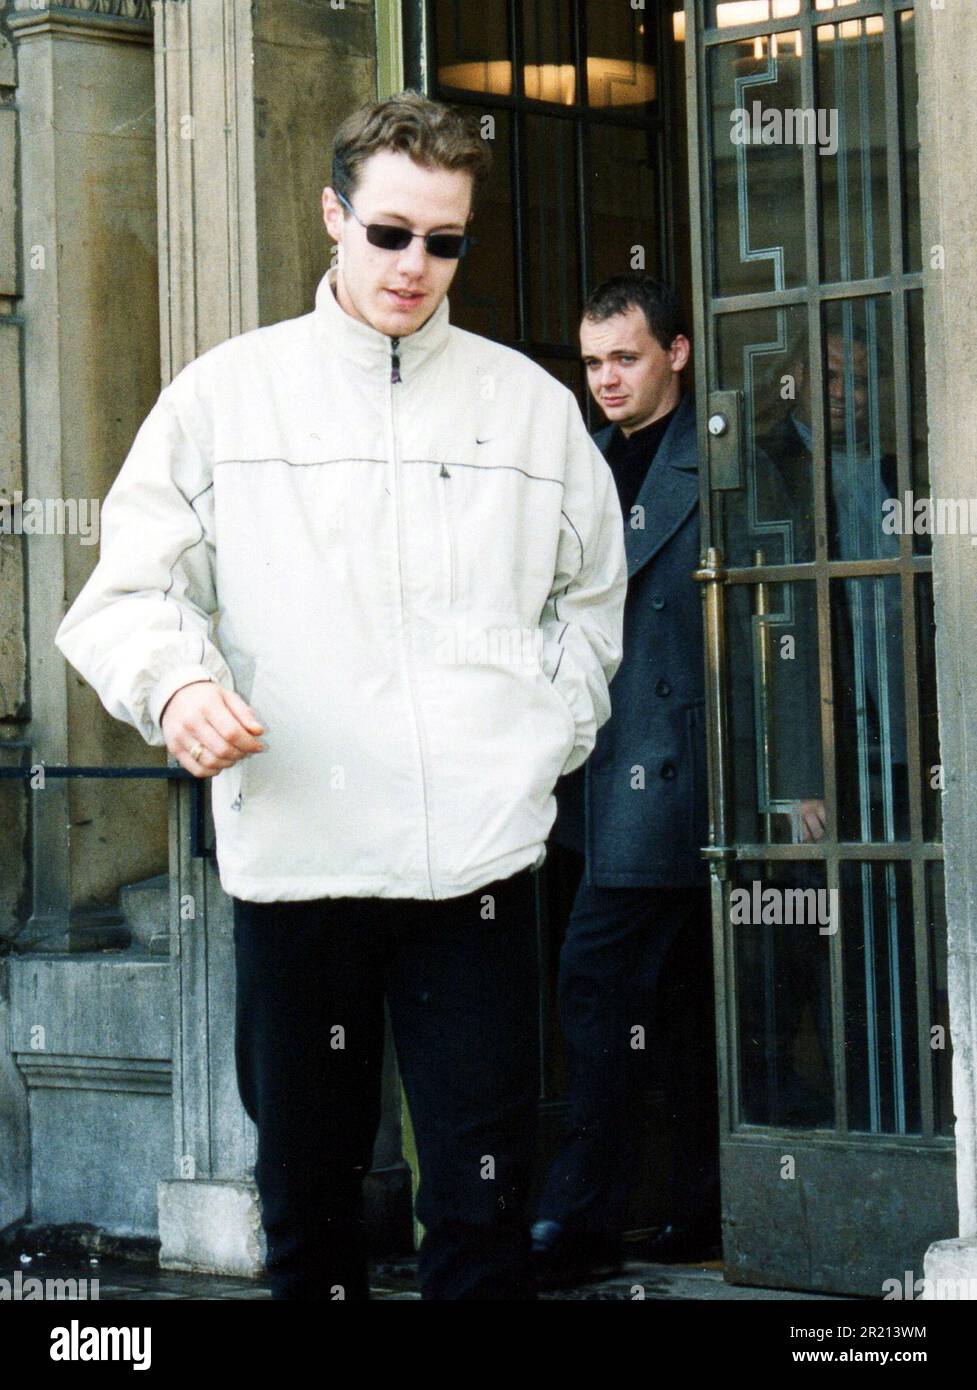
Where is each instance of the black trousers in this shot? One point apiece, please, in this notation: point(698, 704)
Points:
point(616, 946)
point(460, 979)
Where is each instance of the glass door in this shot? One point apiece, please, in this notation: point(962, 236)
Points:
point(826, 856)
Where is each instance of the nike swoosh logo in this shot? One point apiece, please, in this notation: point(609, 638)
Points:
point(483, 441)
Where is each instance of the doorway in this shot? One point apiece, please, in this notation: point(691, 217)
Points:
point(585, 106)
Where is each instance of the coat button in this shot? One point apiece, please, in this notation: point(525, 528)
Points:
point(658, 603)
point(668, 772)
point(663, 688)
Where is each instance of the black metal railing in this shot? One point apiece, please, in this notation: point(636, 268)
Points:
point(198, 813)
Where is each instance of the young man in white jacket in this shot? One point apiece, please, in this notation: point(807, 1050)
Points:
point(366, 571)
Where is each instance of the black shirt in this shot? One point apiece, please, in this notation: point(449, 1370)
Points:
point(630, 458)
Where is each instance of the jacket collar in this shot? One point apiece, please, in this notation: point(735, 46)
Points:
point(366, 346)
point(670, 491)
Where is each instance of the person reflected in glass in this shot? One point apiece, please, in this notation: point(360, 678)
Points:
point(869, 700)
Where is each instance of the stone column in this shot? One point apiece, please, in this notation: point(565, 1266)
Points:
point(948, 133)
point(14, 1124)
point(13, 635)
point(88, 302)
point(248, 94)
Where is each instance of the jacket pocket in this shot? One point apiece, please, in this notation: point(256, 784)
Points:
point(564, 709)
point(240, 776)
point(446, 512)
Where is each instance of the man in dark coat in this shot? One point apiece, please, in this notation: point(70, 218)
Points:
point(637, 811)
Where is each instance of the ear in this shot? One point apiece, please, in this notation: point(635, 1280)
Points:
point(679, 352)
point(333, 214)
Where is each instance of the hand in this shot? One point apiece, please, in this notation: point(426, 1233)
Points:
point(808, 818)
point(215, 722)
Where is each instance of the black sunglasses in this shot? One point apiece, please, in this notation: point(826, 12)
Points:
point(449, 246)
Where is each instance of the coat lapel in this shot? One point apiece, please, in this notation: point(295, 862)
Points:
point(602, 438)
point(670, 491)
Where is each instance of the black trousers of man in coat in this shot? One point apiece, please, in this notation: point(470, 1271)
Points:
point(618, 944)
point(460, 979)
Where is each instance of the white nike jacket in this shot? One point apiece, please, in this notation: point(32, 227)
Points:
point(417, 584)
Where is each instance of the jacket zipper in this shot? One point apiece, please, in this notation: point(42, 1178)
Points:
point(395, 380)
point(448, 546)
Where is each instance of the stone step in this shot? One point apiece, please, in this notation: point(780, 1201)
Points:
point(146, 906)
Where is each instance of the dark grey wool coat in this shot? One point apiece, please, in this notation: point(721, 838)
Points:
point(638, 806)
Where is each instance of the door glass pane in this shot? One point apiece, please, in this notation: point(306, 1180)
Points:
point(859, 420)
point(939, 1019)
point(880, 998)
point(774, 712)
point(726, 13)
point(676, 162)
point(922, 542)
point(852, 165)
point(780, 923)
point(621, 56)
point(472, 44)
point(549, 72)
point(757, 170)
point(483, 295)
point(623, 198)
point(870, 709)
point(929, 724)
point(553, 269)
point(909, 85)
point(763, 354)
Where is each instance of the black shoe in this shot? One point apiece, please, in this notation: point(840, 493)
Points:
point(680, 1245)
point(561, 1256)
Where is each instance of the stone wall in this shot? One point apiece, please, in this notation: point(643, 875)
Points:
point(89, 304)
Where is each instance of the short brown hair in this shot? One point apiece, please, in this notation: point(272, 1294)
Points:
point(434, 135)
